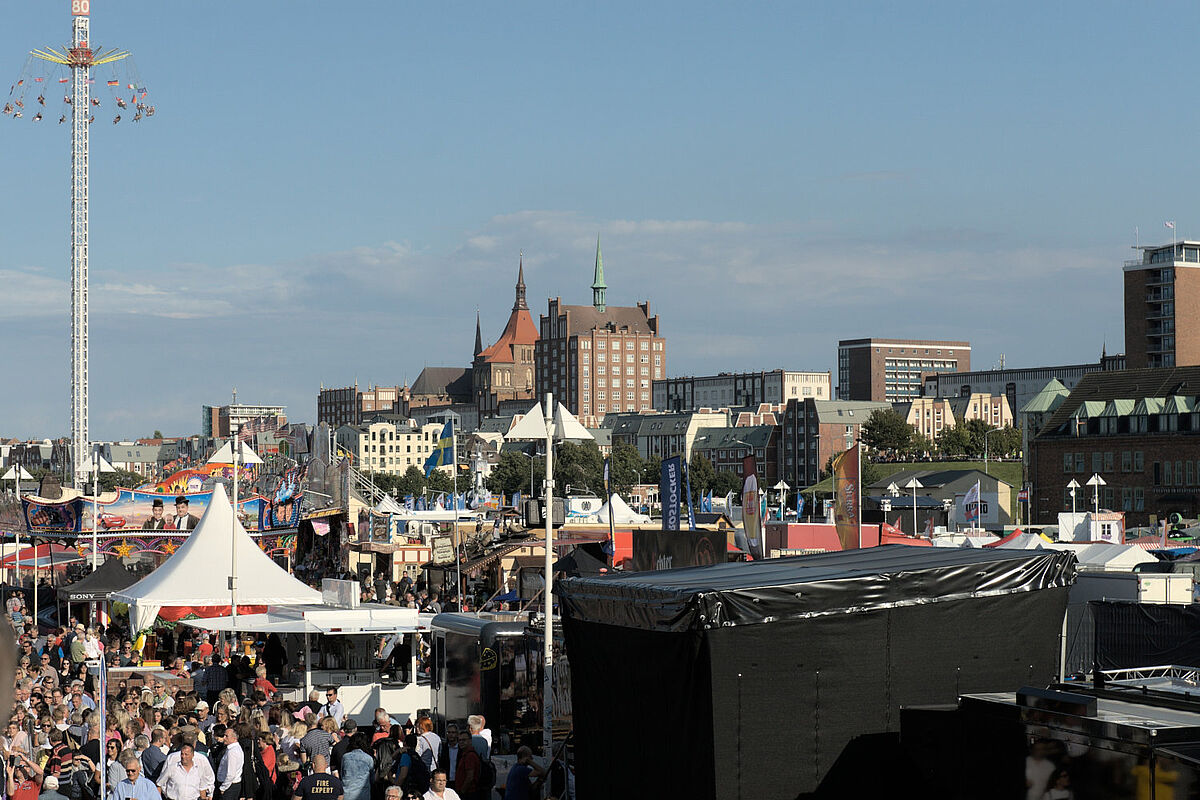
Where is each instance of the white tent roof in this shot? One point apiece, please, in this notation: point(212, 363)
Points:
point(367, 618)
point(1025, 541)
point(389, 506)
point(622, 513)
point(198, 572)
point(1106, 555)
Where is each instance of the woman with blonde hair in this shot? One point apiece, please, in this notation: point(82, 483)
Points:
point(229, 698)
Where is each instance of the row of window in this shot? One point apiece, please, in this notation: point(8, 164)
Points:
point(1131, 461)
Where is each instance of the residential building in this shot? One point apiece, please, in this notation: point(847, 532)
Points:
point(927, 415)
point(726, 447)
point(663, 435)
point(147, 460)
point(1139, 430)
point(505, 371)
point(991, 408)
point(349, 405)
point(1033, 415)
point(892, 369)
point(1162, 306)
point(739, 389)
point(599, 359)
point(387, 447)
point(222, 422)
point(1019, 385)
point(816, 430)
point(46, 454)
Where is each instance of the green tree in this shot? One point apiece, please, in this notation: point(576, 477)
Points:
point(886, 431)
point(439, 481)
point(725, 482)
point(158, 434)
point(702, 474)
point(870, 472)
point(511, 473)
point(626, 467)
point(955, 441)
point(122, 478)
point(580, 466)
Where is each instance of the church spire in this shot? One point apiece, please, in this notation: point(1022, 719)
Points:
point(520, 302)
point(478, 335)
point(598, 285)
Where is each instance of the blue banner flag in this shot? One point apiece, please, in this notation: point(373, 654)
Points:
point(687, 478)
point(669, 490)
point(799, 506)
point(517, 501)
point(421, 503)
point(443, 451)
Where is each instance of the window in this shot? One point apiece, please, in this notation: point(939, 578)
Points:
point(658, 361)
point(1068, 462)
point(1126, 499)
point(1139, 463)
point(645, 345)
point(1167, 475)
point(602, 344)
point(616, 357)
point(629, 344)
point(1126, 461)
point(600, 394)
point(1097, 461)
point(1179, 473)
point(1139, 499)
point(1108, 461)
point(1081, 462)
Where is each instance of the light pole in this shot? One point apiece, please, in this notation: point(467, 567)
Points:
point(1095, 482)
point(985, 447)
point(782, 488)
point(914, 484)
point(554, 424)
point(1073, 485)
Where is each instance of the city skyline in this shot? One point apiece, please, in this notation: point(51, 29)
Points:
point(776, 179)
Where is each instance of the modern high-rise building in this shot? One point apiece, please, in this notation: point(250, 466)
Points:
point(1162, 288)
point(891, 369)
point(599, 359)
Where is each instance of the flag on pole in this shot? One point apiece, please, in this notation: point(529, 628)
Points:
point(669, 491)
point(516, 500)
point(443, 451)
point(799, 506)
point(845, 507)
point(971, 506)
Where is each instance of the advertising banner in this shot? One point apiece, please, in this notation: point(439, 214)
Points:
point(670, 491)
point(134, 509)
point(751, 506)
point(845, 487)
point(673, 549)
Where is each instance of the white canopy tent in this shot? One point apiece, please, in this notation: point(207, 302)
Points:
point(195, 579)
point(622, 514)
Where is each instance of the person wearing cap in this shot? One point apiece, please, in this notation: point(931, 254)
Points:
point(183, 520)
point(50, 789)
point(156, 521)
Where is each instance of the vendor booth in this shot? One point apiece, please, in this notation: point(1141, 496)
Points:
point(95, 588)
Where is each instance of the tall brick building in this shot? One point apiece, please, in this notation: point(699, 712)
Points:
point(892, 369)
point(1162, 305)
point(599, 359)
point(1138, 429)
point(505, 370)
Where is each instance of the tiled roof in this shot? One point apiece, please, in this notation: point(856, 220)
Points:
point(583, 319)
point(1047, 399)
point(519, 330)
point(453, 381)
point(1117, 384)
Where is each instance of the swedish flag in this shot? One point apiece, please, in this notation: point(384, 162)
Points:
point(443, 452)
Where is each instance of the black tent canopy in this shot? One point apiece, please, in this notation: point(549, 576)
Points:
point(757, 675)
point(96, 587)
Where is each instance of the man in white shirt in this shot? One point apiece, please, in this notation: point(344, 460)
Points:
point(333, 707)
point(189, 778)
point(229, 773)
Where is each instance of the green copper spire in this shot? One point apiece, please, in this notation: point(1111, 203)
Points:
point(598, 285)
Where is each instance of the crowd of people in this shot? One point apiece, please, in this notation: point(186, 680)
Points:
point(217, 728)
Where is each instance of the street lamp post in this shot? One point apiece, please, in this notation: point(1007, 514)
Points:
point(914, 484)
point(985, 447)
point(554, 424)
point(1095, 482)
point(782, 488)
point(1073, 485)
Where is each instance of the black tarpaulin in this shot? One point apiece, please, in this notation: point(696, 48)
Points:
point(1132, 635)
point(781, 588)
point(109, 577)
point(762, 708)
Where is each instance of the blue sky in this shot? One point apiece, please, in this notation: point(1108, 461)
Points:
point(328, 191)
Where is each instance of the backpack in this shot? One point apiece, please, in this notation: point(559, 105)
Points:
point(386, 752)
point(418, 776)
point(487, 776)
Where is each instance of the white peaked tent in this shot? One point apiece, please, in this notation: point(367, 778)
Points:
point(194, 581)
point(622, 513)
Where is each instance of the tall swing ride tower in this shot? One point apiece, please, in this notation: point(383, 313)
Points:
point(76, 65)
